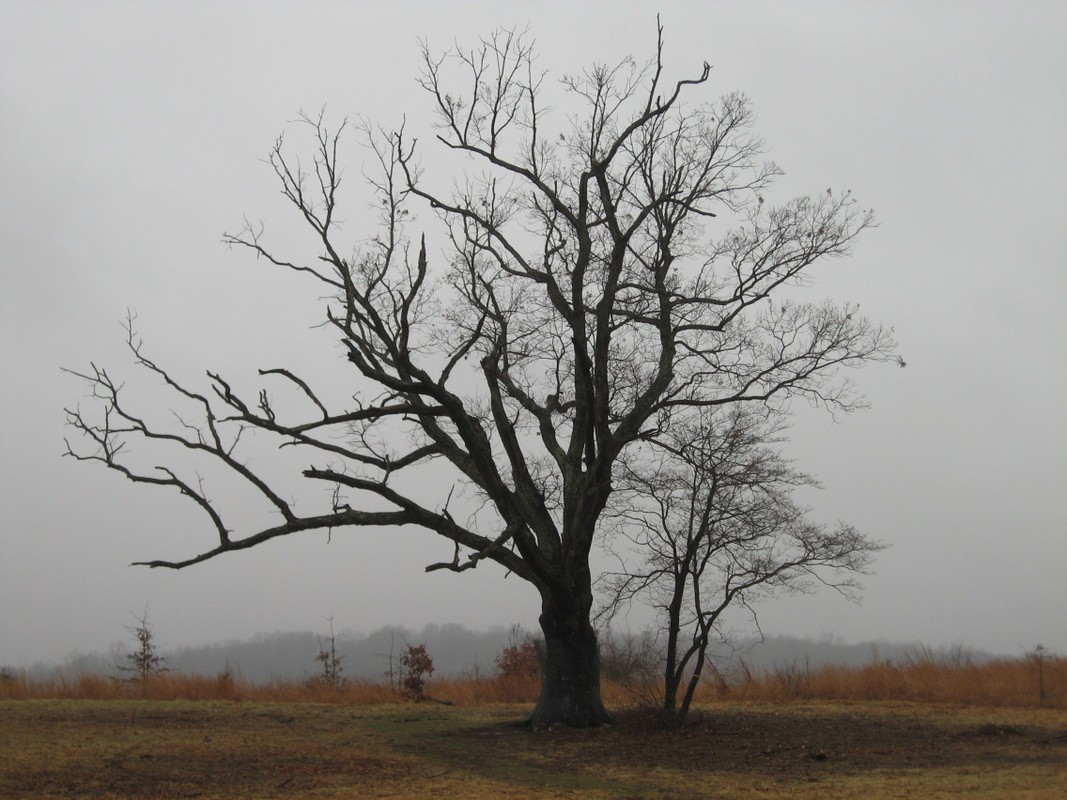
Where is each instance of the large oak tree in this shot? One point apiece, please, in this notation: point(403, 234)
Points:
point(605, 266)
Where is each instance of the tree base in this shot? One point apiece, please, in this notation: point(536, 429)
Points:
point(570, 688)
point(570, 666)
point(567, 715)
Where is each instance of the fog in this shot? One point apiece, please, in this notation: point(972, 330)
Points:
point(132, 135)
point(459, 652)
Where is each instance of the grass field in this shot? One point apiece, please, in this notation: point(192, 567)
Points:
point(922, 730)
point(214, 750)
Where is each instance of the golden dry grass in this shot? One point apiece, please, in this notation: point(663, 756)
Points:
point(996, 683)
point(175, 686)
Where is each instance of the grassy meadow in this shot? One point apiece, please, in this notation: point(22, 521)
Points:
point(920, 729)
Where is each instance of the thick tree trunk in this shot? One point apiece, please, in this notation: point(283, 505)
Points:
point(570, 674)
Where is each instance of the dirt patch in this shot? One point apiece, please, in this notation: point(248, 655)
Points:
point(785, 744)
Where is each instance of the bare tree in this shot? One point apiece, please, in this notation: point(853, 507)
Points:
point(145, 661)
point(708, 522)
point(575, 291)
point(1040, 656)
point(332, 675)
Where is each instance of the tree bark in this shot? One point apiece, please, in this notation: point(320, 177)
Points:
point(691, 688)
point(570, 674)
point(672, 675)
point(670, 692)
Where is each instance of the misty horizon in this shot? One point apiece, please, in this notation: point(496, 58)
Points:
point(459, 652)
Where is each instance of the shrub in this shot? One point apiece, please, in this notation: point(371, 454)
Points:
point(417, 666)
point(519, 661)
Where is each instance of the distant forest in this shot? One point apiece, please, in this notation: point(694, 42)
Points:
point(458, 652)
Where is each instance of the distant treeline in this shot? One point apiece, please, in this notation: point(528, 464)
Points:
point(460, 652)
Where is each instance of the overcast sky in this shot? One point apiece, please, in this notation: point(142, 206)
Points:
point(132, 135)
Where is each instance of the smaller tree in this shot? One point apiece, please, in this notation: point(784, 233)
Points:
point(332, 674)
point(712, 513)
point(145, 661)
point(1039, 656)
point(417, 666)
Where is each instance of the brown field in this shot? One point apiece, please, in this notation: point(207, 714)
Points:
point(922, 731)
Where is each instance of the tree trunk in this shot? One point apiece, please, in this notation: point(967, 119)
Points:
point(672, 673)
point(670, 690)
point(570, 674)
point(700, 649)
point(690, 690)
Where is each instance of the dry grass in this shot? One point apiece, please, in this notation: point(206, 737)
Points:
point(177, 686)
point(1000, 683)
point(1004, 683)
point(122, 749)
point(921, 728)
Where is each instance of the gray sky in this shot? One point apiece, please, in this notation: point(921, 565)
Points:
point(131, 136)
